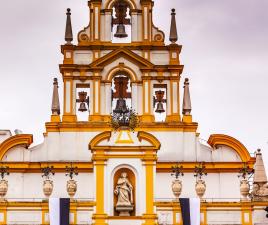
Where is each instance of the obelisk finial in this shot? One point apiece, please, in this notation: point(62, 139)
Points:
point(55, 107)
point(173, 36)
point(68, 29)
point(186, 108)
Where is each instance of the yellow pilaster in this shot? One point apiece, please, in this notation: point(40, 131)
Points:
point(69, 108)
point(150, 216)
point(174, 101)
point(99, 216)
point(246, 213)
point(147, 116)
point(44, 212)
point(203, 215)
point(96, 100)
point(3, 211)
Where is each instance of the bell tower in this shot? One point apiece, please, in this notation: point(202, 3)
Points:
point(121, 41)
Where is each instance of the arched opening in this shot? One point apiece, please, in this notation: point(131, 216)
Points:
point(121, 92)
point(128, 184)
point(121, 22)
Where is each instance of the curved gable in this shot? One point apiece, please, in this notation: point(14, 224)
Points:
point(16, 140)
point(216, 140)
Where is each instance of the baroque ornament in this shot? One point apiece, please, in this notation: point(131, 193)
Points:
point(47, 183)
point(200, 185)
point(71, 185)
point(245, 173)
point(176, 183)
point(3, 182)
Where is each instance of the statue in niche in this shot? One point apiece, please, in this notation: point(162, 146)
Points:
point(124, 192)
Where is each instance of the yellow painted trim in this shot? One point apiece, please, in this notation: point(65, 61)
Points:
point(35, 167)
point(211, 167)
point(150, 138)
point(16, 140)
point(120, 141)
point(106, 135)
point(109, 4)
point(93, 127)
point(216, 140)
point(121, 68)
point(121, 52)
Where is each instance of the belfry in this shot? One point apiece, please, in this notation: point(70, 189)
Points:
point(124, 135)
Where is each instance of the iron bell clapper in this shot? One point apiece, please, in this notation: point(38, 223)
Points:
point(160, 108)
point(120, 31)
point(121, 106)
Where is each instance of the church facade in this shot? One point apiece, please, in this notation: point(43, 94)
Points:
point(124, 147)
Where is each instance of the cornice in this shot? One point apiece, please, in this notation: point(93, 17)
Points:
point(113, 46)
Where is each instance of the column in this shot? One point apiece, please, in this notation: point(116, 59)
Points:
point(69, 114)
point(99, 216)
point(147, 101)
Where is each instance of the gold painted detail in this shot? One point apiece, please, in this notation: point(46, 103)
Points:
point(216, 140)
point(17, 140)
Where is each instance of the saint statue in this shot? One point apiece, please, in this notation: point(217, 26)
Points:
point(124, 191)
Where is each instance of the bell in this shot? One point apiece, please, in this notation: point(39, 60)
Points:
point(120, 31)
point(121, 106)
point(159, 108)
point(82, 107)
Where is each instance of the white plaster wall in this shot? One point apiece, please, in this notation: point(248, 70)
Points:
point(160, 57)
point(84, 217)
point(83, 57)
point(29, 185)
point(138, 169)
point(71, 146)
point(24, 217)
point(17, 154)
point(259, 215)
point(224, 217)
point(225, 154)
point(220, 186)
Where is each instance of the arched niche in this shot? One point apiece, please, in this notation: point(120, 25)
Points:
point(132, 179)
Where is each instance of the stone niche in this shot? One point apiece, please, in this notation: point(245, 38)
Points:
point(132, 179)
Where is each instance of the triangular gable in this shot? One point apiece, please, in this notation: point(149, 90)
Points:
point(125, 53)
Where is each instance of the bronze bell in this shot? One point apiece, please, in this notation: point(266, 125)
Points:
point(120, 31)
point(160, 108)
point(82, 107)
point(121, 106)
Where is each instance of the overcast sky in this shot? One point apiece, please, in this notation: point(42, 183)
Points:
point(225, 53)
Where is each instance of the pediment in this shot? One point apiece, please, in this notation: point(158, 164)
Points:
point(119, 53)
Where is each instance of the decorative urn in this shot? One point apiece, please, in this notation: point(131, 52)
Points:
point(3, 188)
point(47, 187)
point(200, 188)
point(244, 189)
point(71, 187)
point(47, 183)
point(176, 187)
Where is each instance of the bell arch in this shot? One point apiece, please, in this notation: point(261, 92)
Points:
point(110, 3)
point(121, 69)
